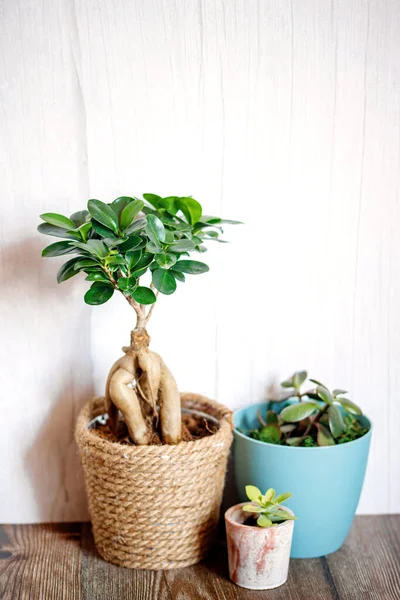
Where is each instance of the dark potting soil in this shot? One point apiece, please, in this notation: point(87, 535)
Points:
point(194, 427)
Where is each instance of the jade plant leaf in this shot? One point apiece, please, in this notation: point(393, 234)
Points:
point(350, 406)
point(324, 437)
point(298, 412)
point(253, 493)
point(264, 521)
point(324, 394)
point(271, 434)
point(336, 421)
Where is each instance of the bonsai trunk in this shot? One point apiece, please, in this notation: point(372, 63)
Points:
point(137, 384)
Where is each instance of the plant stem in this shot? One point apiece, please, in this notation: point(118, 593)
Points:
point(152, 287)
point(313, 422)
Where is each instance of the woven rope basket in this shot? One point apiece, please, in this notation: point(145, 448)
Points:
point(155, 507)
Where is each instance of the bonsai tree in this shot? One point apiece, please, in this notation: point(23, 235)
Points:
point(266, 508)
point(320, 417)
point(139, 248)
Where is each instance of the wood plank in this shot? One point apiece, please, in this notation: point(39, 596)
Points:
point(60, 562)
point(101, 579)
point(40, 562)
point(368, 564)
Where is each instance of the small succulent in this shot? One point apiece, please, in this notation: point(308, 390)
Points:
point(267, 506)
point(320, 417)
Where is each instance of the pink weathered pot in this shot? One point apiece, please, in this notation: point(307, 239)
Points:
point(258, 556)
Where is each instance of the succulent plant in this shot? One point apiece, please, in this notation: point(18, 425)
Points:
point(267, 506)
point(320, 417)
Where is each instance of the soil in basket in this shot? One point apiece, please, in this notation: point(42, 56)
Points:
point(194, 427)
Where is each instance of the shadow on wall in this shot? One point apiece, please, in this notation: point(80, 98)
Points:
point(53, 463)
point(49, 323)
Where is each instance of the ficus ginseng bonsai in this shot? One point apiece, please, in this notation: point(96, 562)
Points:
point(320, 417)
point(267, 507)
point(117, 245)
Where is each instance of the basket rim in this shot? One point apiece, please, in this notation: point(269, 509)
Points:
point(85, 436)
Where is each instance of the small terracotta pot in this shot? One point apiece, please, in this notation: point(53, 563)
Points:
point(258, 556)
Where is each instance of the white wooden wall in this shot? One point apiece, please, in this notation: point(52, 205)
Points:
point(283, 114)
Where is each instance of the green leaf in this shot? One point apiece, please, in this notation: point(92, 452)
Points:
point(251, 508)
point(270, 434)
point(144, 262)
point(282, 497)
point(350, 406)
point(95, 247)
point(97, 276)
point(104, 214)
point(324, 437)
point(317, 382)
point(58, 248)
point(103, 231)
point(136, 226)
point(338, 392)
point(166, 260)
point(86, 262)
point(119, 204)
point(164, 281)
point(194, 267)
point(132, 258)
point(182, 246)
point(336, 422)
point(116, 260)
point(129, 213)
point(218, 221)
point(153, 248)
point(153, 199)
point(155, 229)
point(287, 384)
point(58, 220)
point(299, 378)
point(178, 275)
point(288, 428)
point(190, 208)
point(127, 283)
point(324, 394)
point(144, 295)
point(79, 218)
point(113, 242)
point(271, 417)
point(294, 441)
point(283, 515)
point(269, 495)
point(133, 241)
point(253, 493)
point(47, 229)
point(298, 412)
point(99, 293)
point(98, 247)
point(84, 230)
point(263, 521)
point(67, 270)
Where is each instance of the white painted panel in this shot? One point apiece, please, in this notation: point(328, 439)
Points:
point(44, 328)
point(283, 114)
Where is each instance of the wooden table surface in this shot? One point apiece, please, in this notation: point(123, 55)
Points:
point(59, 561)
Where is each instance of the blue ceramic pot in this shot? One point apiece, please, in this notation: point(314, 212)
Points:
point(326, 482)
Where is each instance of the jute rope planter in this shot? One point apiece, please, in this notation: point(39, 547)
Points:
point(155, 507)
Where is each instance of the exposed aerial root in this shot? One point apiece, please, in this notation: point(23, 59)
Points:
point(142, 377)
